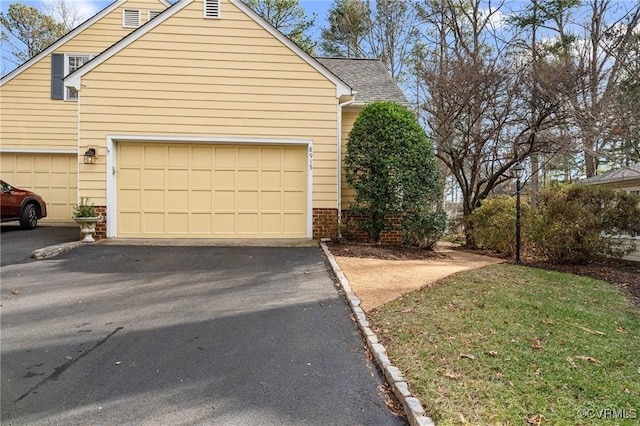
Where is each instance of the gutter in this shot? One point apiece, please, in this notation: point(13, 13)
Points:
point(339, 168)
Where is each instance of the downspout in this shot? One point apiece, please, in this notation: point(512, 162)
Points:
point(339, 168)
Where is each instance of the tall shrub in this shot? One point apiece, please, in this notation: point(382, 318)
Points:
point(575, 223)
point(391, 166)
point(494, 224)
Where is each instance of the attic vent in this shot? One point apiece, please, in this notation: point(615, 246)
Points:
point(211, 8)
point(130, 18)
point(154, 13)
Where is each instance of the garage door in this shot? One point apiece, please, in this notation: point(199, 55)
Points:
point(52, 176)
point(211, 191)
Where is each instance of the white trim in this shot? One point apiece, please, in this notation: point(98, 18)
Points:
point(37, 151)
point(7, 78)
point(112, 178)
point(341, 88)
point(165, 3)
point(74, 79)
point(67, 56)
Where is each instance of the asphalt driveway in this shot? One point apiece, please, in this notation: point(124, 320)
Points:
point(16, 245)
point(109, 334)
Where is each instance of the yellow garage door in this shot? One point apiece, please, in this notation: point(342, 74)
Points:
point(211, 191)
point(53, 176)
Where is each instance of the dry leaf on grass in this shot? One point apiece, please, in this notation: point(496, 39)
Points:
point(588, 359)
point(535, 420)
point(452, 375)
point(468, 356)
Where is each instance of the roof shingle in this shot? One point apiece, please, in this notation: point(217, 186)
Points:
point(368, 77)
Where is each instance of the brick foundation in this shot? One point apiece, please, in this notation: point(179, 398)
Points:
point(352, 232)
point(101, 228)
point(325, 223)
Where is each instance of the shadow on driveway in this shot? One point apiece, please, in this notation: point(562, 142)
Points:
point(183, 335)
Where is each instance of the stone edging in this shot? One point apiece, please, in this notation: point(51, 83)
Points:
point(412, 405)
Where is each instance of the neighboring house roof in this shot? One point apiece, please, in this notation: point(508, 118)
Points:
point(369, 78)
point(73, 79)
point(631, 172)
point(62, 40)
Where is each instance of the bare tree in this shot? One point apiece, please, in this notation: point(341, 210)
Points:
point(394, 31)
point(600, 59)
point(477, 107)
point(65, 12)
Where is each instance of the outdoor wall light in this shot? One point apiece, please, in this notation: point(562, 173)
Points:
point(90, 156)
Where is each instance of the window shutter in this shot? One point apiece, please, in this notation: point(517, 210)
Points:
point(57, 74)
point(211, 8)
point(130, 18)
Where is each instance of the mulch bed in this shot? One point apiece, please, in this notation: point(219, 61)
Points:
point(384, 252)
point(623, 274)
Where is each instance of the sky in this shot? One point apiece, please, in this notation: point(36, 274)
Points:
point(88, 8)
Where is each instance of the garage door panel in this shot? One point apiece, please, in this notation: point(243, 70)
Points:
point(225, 179)
point(200, 179)
point(225, 158)
point(177, 223)
point(178, 156)
point(177, 199)
point(248, 223)
point(52, 176)
point(247, 179)
point(178, 178)
point(202, 158)
point(154, 156)
point(202, 223)
point(271, 201)
point(224, 201)
point(153, 200)
point(248, 158)
point(225, 223)
point(200, 201)
point(212, 191)
point(270, 180)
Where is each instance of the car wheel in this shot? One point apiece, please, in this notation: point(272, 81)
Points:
point(29, 217)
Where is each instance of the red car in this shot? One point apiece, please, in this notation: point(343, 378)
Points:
point(22, 205)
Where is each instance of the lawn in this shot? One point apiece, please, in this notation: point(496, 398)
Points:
point(517, 345)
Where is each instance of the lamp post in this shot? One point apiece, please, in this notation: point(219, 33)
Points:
point(518, 170)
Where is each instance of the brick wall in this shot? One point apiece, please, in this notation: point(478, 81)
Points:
point(325, 223)
point(101, 228)
point(352, 232)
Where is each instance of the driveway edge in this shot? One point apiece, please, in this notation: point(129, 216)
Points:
point(51, 251)
point(412, 405)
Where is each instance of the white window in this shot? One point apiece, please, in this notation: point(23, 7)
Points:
point(130, 18)
point(72, 63)
point(154, 13)
point(211, 8)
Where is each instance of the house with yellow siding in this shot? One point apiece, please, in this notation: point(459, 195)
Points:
point(205, 122)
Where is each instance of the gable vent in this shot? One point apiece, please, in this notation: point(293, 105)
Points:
point(131, 18)
point(211, 8)
point(154, 13)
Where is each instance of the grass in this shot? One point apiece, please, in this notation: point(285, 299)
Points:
point(515, 345)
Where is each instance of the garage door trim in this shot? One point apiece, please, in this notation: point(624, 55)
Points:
point(112, 140)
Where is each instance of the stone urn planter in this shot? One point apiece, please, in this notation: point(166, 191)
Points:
point(84, 214)
point(88, 227)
